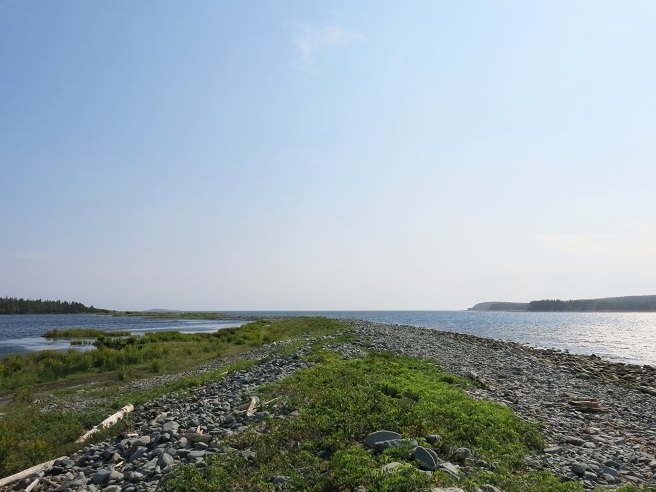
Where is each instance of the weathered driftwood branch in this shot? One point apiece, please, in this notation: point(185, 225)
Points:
point(111, 420)
point(26, 473)
point(271, 401)
point(251, 408)
point(32, 485)
point(590, 405)
point(481, 380)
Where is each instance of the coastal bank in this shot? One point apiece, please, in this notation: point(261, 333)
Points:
point(596, 417)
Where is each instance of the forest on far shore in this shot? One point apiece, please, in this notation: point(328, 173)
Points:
point(14, 305)
point(612, 304)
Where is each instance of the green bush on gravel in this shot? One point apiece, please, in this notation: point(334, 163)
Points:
point(153, 352)
point(340, 402)
point(27, 434)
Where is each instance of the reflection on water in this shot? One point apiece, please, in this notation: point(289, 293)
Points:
point(620, 337)
point(33, 344)
point(22, 333)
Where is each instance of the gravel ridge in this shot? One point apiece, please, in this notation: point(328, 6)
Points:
point(598, 417)
point(609, 443)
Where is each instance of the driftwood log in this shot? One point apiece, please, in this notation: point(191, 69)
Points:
point(253, 405)
point(111, 420)
point(26, 473)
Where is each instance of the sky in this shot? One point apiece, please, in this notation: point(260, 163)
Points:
point(297, 155)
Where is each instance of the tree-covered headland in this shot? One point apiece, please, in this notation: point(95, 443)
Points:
point(14, 305)
point(608, 304)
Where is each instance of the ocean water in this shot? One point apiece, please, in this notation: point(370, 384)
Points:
point(621, 337)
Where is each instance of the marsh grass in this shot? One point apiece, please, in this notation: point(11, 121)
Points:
point(155, 352)
point(27, 434)
point(83, 333)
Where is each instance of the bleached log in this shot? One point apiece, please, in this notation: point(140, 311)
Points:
point(111, 420)
point(32, 485)
point(251, 408)
point(271, 401)
point(26, 473)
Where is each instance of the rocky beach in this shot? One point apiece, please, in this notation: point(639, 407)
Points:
point(598, 417)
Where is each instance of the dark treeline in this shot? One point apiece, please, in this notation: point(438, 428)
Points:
point(647, 303)
point(13, 305)
point(508, 306)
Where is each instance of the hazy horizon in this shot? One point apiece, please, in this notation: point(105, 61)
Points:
point(291, 156)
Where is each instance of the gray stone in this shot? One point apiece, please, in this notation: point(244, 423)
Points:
point(578, 468)
point(394, 443)
point(434, 439)
point(151, 464)
point(389, 467)
point(194, 437)
point(588, 475)
point(182, 452)
point(576, 441)
point(101, 477)
point(140, 441)
point(164, 461)
point(115, 475)
point(379, 436)
point(450, 468)
point(426, 460)
point(137, 454)
point(134, 476)
point(171, 426)
point(489, 488)
point(461, 454)
point(78, 482)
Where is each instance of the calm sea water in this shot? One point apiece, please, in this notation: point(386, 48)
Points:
point(621, 337)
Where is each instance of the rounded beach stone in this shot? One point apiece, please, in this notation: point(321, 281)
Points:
point(381, 435)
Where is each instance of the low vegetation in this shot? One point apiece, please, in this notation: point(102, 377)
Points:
point(340, 402)
point(28, 435)
point(72, 333)
point(330, 408)
point(163, 351)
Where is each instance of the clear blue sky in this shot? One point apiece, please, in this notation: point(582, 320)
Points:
point(311, 155)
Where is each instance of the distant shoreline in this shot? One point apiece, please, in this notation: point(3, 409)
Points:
point(627, 304)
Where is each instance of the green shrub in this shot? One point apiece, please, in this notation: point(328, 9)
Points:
point(7, 445)
point(339, 403)
point(37, 451)
point(156, 364)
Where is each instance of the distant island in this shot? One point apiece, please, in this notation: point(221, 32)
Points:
point(608, 304)
point(14, 305)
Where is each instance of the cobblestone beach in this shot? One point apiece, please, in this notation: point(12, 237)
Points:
point(598, 417)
